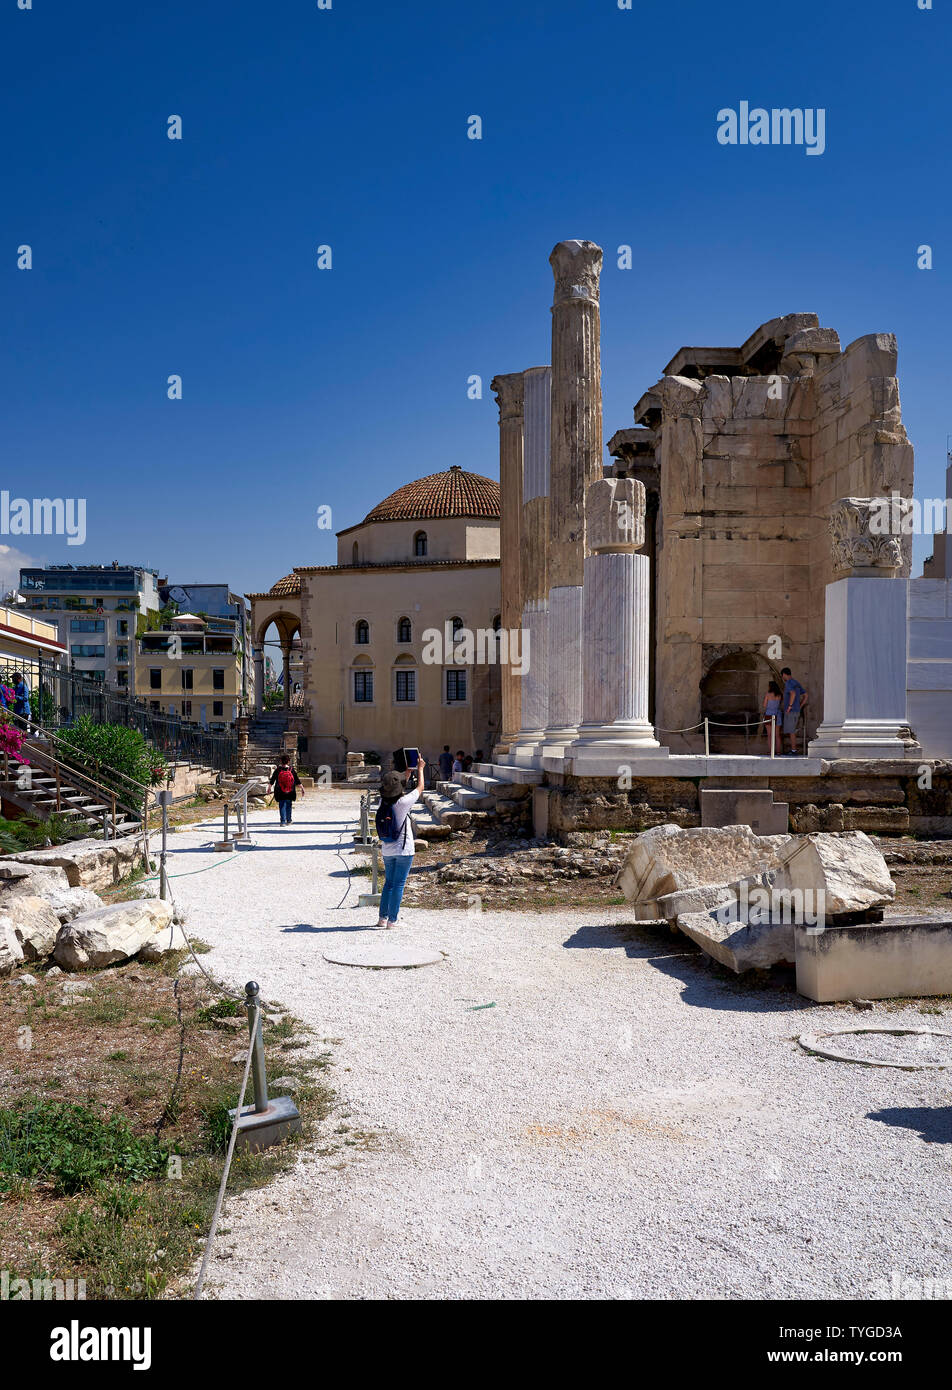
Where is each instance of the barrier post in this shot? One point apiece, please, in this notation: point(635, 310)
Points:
point(707, 738)
point(773, 733)
point(164, 798)
point(258, 1071)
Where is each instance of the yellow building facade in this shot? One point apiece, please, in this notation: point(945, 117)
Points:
point(191, 670)
point(422, 564)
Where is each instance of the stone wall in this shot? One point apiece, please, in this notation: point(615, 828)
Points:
point(752, 447)
point(878, 796)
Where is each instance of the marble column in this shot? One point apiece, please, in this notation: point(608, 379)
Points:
point(865, 641)
point(576, 461)
point(537, 404)
point(286, 667)
point(258, 654)
point(509, 395)
point(616, 615)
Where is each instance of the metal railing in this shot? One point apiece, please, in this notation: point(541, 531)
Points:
point(62, 697)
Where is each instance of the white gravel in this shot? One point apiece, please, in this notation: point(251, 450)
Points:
point(621, 1124)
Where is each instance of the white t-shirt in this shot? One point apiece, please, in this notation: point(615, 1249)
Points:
point(401, 815)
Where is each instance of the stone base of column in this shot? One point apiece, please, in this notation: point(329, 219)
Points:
point(608, 750)
point(864, 738)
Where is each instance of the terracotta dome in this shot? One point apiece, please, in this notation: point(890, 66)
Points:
point(453, 493)
point(290, 584)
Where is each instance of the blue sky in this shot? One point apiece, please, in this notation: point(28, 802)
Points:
point(305, 388)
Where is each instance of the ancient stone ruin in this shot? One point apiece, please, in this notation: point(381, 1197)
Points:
point(737, 532)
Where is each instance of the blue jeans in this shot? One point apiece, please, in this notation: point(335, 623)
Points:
point(395, 870)
point(284, 806)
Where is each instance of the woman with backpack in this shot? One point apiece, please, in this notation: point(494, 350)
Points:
point(396, 840)
point(285, 781)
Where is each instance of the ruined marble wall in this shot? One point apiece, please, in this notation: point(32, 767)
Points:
point(751, 459)
point(736, 527)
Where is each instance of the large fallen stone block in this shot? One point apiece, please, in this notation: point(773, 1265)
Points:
point(668, 859)
point(11, 952)
point(170, 938)
point(52, 884)
point(847, 869)
point(35, 926)
point(86, 863)
point(110, 934)
point(740, 945)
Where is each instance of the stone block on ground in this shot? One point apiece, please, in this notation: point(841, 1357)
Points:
point(166, 939)
point(11, 952)
point(667, 859)
point(87, 863)
point(848, 869)
point(110, 934)
point(35, 926)
point(739, 945)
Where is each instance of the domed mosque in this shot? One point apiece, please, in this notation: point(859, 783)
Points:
point(367, 640)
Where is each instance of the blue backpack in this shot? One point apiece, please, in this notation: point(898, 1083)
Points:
point(386, 823)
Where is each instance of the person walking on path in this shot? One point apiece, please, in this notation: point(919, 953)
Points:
point(396, 840)
point(285, 781)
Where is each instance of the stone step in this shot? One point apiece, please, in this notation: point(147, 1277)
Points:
point(524, 776)
point(465, 797)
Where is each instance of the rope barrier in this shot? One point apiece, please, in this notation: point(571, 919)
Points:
point(224, 1177)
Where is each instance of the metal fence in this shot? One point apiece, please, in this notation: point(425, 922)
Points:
point(61, 697)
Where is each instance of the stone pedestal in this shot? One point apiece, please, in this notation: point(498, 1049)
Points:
point(864, 676)
point(614, 727)
point(865, 643)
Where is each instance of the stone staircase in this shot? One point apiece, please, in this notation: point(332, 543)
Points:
point(479, 792)
point(47, 786)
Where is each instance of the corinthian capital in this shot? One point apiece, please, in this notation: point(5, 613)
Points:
point(576, 266)
point(866, 535)
point(510, 394)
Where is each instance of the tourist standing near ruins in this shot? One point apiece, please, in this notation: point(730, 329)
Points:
point(285, 781)
point(794, 700)
point(446, 763)
point(395, 829)
point(773, 703)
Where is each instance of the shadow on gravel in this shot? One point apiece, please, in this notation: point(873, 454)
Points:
point(707, 985)
point(934, 1124)
point(306, 927)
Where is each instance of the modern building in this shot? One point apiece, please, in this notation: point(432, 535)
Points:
point(425, 560)
point(217, 602)
point(30, 645)
point(192, 668)
point(96, 610)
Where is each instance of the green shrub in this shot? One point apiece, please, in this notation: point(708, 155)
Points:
point(42, 711)
point(29, 833)
point(106, 748)
point(72, 1146)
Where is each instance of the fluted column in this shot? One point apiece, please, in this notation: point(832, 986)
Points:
point(509, 395)
point(576, 462)
point(534, 548)
point(615, 627)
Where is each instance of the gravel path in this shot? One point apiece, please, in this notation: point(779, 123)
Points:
point(623, 1123)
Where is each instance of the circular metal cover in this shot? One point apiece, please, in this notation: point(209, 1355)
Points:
point(382, 955)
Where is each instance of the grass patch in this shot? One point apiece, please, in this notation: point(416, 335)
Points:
point(113, 1133)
